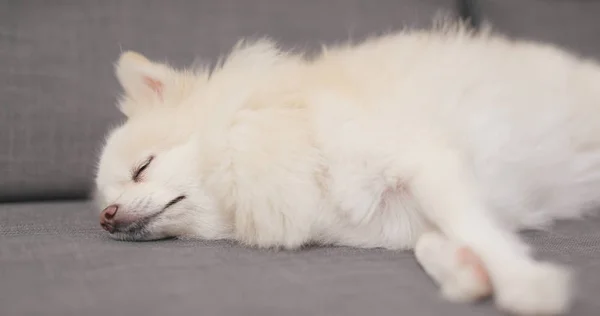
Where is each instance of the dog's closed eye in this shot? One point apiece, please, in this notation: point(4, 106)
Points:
point(138, 172)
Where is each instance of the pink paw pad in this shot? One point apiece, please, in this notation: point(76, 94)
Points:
point(467, 257)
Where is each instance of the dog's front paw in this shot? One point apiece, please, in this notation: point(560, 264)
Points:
point(537, 289)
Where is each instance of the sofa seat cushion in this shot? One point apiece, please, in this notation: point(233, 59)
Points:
point(55, 260)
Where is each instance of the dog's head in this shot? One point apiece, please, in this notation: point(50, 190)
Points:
point(147, 182)
point(152, 177)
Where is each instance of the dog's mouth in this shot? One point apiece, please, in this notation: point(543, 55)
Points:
point(173, 202)
point(138, 230)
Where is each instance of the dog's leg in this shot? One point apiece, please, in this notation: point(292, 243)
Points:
point(449, 199)
point(458, 272)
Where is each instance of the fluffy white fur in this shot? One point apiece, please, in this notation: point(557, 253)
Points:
point(469, 136)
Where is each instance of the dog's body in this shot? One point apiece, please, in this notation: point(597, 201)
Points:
point(403, 141)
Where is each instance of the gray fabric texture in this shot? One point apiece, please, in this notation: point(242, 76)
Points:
point(56, 261)
point(57, 88)
point(57, 93)
point(572, 24)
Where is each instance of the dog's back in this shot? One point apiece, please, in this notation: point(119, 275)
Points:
point(524, 114)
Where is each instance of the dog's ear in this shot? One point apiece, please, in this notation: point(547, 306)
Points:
point(142, 80)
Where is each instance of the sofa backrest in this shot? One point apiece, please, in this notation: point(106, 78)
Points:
point(57, 89)
point(571, 24)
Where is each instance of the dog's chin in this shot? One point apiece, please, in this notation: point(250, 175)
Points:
point(143, 230)
point(140, 236)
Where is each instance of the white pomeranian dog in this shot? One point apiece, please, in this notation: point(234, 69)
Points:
point(444, 141)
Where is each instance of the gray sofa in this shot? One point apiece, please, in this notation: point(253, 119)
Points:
point(57, 94)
